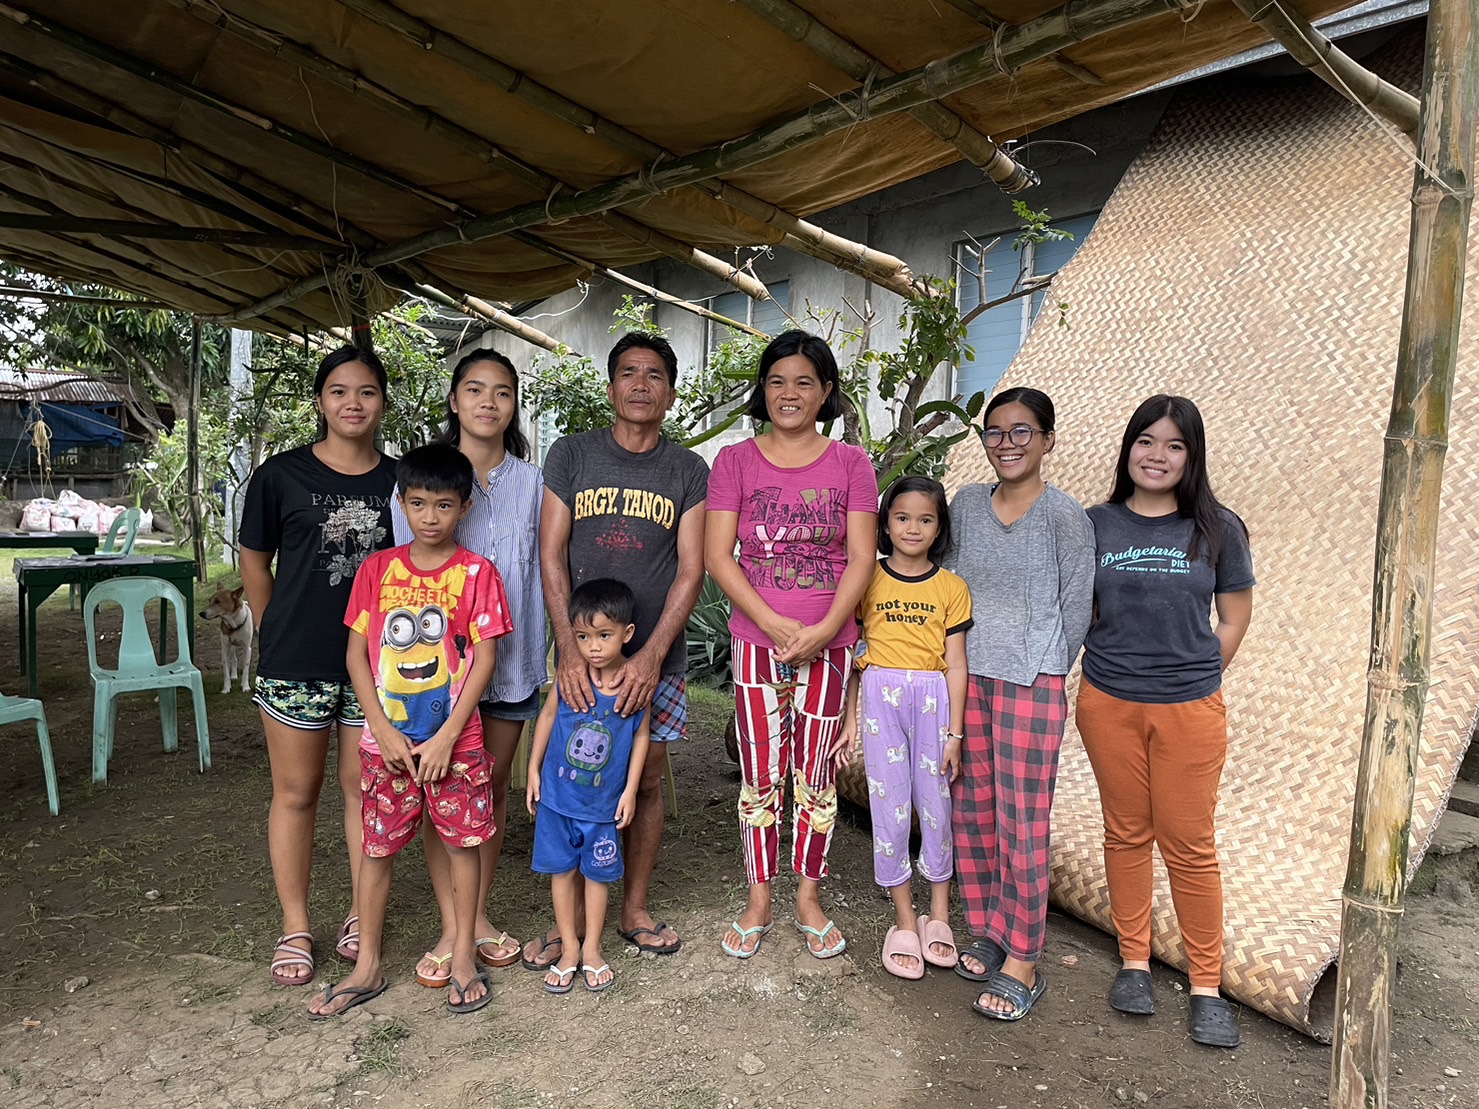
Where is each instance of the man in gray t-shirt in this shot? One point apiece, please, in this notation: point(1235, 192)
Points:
point(625, 503)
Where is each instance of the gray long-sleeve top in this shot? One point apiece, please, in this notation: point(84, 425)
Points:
point(1032, 583)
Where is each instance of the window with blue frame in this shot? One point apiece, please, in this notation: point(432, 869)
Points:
point(997, 334)
point(768, 316)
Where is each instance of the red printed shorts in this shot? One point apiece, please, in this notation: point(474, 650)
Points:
point(460, 805)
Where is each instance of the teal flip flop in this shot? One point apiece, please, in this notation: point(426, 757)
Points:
point(744, 934)
point(821, 934)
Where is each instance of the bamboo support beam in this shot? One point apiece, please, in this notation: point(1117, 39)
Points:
point(1404, 579)
point(434, 124)
point(1076, 21)
point(650, 290)
point(796, 234)
point(986, 19)
point(480, 309)
point(263, 192)
point(74, 298)
point(980, 150)
point(129, 229)
point(1332, 65)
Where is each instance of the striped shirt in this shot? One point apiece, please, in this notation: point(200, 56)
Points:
point(503, 527)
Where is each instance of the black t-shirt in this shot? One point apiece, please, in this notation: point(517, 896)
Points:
point(624, 514)
point(321, 525)
point(1152, 640)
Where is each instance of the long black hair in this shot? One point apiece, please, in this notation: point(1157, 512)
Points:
point(343, 356)
point(917, 483)
point(514, 440)
point(1194, 498)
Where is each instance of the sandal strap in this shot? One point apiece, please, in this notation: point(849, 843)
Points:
point(1007, 988)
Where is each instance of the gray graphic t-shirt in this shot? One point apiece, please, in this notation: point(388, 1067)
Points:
point(1152, 640)
point(321, 525)
point(624, 514)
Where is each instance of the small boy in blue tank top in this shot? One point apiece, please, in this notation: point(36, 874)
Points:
point(583, 773)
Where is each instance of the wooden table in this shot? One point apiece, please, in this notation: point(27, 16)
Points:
point(83, 542)
point(39, 578)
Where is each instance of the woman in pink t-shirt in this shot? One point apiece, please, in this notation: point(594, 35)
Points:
point(803, 510)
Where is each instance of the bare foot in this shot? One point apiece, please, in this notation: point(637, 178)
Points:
point(594, 969)
point(826, 938)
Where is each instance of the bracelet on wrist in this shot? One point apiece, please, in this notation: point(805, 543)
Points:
point(955, 735)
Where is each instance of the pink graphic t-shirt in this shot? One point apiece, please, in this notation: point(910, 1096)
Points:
point(793, 528)
point(420, 625)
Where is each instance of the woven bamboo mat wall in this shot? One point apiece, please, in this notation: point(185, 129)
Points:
point(1253, 259)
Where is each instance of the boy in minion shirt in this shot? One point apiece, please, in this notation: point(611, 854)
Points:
point(423, 619)
point(583, 773)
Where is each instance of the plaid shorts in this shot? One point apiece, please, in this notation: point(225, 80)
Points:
point(391, 803)
point(670, 709)
point(309, 705)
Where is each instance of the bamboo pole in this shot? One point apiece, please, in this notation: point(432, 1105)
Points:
point(129, 229)
point(979, 149)
point(73, 298)
point(1332, 65)
point(651, 290)
point(1016, 46)
point(986, 19)
point(796, 234)
point(193, 475)
point(1406, 544)
point(471, 306)
point(379, 96)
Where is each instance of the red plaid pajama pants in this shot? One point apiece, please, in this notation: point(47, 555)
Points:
point(1001, 805)
point(787, 718)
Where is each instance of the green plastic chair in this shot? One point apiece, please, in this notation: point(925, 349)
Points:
point(126, 526)
point(14, 709)
point(139, 667)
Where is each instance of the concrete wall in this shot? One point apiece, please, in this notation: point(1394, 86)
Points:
point(921, 221)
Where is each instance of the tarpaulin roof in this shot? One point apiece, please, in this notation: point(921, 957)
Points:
point(501, 149)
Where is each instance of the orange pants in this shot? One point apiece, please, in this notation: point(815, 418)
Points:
point(1158, 767)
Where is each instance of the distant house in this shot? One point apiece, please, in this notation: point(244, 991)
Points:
point(92, 434)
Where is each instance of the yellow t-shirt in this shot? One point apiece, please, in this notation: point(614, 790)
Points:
point(906, 619)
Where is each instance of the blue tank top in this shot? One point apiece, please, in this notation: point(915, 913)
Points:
point(585, 765)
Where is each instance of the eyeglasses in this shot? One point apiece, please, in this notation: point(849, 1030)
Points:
point(1020, 435)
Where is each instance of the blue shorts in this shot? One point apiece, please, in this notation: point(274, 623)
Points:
point(562, 843)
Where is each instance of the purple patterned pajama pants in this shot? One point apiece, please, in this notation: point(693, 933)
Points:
point(904, 715)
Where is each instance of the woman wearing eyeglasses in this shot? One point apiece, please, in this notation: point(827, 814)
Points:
point(1026, 549)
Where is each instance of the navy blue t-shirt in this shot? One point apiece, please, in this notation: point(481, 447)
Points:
point(1152, 639)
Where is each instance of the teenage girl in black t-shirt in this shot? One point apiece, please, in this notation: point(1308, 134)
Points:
point(319, 511)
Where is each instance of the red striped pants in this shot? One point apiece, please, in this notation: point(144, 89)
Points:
point(787, 718)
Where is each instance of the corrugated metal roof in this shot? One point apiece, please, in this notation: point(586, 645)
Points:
point(60, 388)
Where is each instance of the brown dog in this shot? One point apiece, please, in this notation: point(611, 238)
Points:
point(230, 607)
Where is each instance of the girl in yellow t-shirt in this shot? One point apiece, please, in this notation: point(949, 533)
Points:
point(907, 702)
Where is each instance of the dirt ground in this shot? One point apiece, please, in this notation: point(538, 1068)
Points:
point(156, 890)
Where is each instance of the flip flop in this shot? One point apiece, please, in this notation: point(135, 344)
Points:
point(900, 941)
point(821, 934)
point(1018, 993)
point(436, 981)
point(1133, 992)
point(357, 995)
point(349, 937)
point(465, 1006)
point(545, 943)
point(499, 960)
point(566, 977)
point(290, 956)
point(1213, 1022)
point(656, 933)
point(587, 971)
point(937, 931)
point(988, 954)
point(744, 934)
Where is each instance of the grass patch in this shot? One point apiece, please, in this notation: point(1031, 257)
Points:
point(275, 1018)
point(379, 1048)
point(497, 1095)
point(675, 1092)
